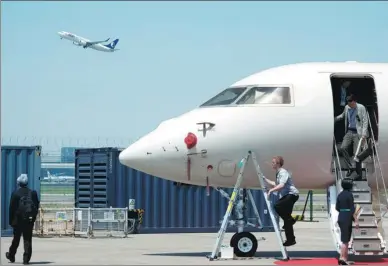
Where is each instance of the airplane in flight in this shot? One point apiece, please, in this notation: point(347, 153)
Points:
point(289, 111)
point(85, 43)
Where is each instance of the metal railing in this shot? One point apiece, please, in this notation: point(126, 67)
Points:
point(377, 164)
point(86, 222)
point(337, 166)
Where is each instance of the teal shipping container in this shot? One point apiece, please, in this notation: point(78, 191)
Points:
point(16, 160)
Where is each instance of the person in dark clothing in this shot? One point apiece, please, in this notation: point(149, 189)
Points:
point(289, 194)
point(345, 207)
point(23, 210)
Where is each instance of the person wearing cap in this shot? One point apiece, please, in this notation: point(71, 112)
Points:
point(22, 199)
point(355, 117)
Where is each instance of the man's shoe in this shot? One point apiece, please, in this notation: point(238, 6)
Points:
point(9, 257)
point(357, 178)
point(26, 260)
point(289, 243)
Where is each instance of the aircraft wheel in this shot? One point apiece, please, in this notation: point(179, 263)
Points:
point(233, 240)
point(244, 244)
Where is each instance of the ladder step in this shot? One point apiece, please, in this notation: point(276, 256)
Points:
point(364, 232)
point(367, 245)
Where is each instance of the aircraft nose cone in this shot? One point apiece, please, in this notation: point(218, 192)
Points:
point(136, 156)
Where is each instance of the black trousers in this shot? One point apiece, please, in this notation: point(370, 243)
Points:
point(284, 208)
point(24, 229)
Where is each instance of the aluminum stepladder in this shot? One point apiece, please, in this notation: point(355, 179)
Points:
point(222, 231)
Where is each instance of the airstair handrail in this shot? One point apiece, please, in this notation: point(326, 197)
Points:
point(378, 164)
point(358, 147)
point(338, 161)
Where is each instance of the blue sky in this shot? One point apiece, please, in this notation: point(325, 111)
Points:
point(173, 56)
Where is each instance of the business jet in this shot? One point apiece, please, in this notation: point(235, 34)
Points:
point(85, 43)
point(289, 111)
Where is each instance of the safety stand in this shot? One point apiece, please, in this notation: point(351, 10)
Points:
point(236, 190)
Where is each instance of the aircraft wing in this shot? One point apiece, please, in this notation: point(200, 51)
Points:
point(96, 42)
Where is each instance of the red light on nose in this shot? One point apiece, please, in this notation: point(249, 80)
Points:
point(191, 140)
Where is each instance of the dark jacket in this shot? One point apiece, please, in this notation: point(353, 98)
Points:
point(14, 204)
point(345, 206)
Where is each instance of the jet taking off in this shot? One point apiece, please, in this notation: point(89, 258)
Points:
point(287, 110)
point(85, 43)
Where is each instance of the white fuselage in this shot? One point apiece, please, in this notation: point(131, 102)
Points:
point(301, 132)
point(82, 41)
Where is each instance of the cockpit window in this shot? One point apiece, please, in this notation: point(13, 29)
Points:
point(226, 97)
point(267, 95)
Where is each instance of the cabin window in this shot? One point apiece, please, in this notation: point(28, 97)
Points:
point(267, 95)
point(226, 97)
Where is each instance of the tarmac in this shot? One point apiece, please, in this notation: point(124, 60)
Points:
point(313, 241)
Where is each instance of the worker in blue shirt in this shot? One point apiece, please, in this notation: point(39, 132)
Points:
point(289, 194)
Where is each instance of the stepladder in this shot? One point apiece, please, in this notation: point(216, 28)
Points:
point(243, 243)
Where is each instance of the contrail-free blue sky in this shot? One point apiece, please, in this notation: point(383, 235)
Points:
point(173, 57)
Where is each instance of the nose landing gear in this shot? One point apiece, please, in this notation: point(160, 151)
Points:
point(244, 244)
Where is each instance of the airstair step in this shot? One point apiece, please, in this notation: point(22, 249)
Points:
point(366, 208)
point(367, 220)
point(365, 232)
point(361, 186)
point(367, 245)
point(362, 197)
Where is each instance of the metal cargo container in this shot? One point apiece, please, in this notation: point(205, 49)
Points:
point(102, 182)
point(17, 160)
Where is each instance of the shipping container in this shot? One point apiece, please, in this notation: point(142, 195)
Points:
point(16, 160)
point(102, 182)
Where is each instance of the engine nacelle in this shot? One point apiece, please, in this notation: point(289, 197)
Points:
point(77, 44)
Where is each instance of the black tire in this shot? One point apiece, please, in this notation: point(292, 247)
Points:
point(233, 242)
point(244, 244)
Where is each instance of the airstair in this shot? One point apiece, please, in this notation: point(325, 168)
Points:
point(368, 239)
